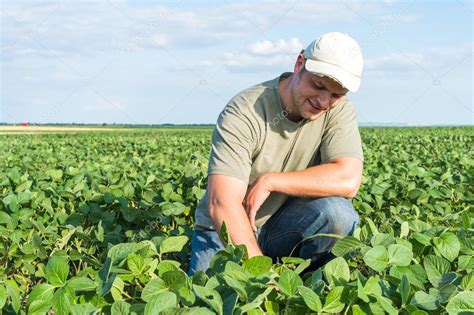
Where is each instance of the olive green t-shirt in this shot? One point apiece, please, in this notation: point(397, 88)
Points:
point(253, 137)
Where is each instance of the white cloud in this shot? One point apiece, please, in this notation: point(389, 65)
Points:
point(245, 60)
point(101, 26)
point(434, 61)
point(159, 40)
point(264, 55)
point(393, 62)
point(267, 47)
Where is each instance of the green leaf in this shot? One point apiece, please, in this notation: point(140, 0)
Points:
point(14, 175)
point(106, 285)
point(14, 293)
point(81, 309)
point(3, 296)
point(382, 239)
point(272, 308)
point(466, 262)
point(364, 310)
point(82, 284)
point(435, 267)
point(187, 297)
point(120, 308)
point(210, 297)
point(160, 302)
point(117, 289)
point(55, 175)
point(57, 270)
point(12, 202)
point(404, 289)
point(175, 279)
point(129, 214)
point(463, 303)
point(63, 300)
point(425, 301)
point(258, 265)
point(404, 229)
point(377, 258)
point(467, 282)
point(387, 305)
point(399, 255)
point(119, 252)
point(289, 282)
point(105, 271)
point(310, 298)
point(40, 298)
point(337, 271)
point(334, 302)
point(372, 287)
point(466, 220)
point(422, 238)
point(229, 303)
point(64, 240)
point(345, 245)
point(415, 274)
point(23, 186)
point(448, 245)
point(135, 263)
point(236, 282)
point(153, 287)
point(173, 244)
point(128, 190)
point(167, 265)
point(224, 234)
point(372, 226)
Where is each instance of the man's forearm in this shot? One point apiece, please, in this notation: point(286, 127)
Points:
point(237, 224)
point(318, 181)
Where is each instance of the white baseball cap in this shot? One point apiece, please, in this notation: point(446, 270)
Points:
point(337, 56)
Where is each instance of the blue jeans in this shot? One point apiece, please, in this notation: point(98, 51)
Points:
point(296, 219)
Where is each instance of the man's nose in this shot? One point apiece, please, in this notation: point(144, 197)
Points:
point(324, 99)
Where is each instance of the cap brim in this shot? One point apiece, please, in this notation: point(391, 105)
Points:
point(346, 79)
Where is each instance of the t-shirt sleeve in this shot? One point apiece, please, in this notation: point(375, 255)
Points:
point(341, 137)
point(233, 140)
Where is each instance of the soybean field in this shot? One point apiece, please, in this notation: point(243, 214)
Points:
point(100, 222)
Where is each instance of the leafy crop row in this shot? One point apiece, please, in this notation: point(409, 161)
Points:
point(101, 223)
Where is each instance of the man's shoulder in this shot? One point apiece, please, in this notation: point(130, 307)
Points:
point(344, 108)
point(259, 93)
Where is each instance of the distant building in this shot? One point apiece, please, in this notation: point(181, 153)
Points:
point(24, 124)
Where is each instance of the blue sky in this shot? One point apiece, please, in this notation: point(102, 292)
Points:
point(181, 61)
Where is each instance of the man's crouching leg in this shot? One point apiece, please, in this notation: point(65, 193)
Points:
point(204, 245)
point(299, 218)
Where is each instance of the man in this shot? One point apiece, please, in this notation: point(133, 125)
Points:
point(286, 156)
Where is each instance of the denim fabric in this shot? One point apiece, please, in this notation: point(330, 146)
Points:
point(296, 219)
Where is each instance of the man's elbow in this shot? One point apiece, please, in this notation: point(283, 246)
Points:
point(213, 208)
point(350, 175)
point(351, 188)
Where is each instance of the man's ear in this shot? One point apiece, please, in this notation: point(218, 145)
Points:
point(299, 64)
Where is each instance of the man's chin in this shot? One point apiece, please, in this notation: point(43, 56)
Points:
point(314, 116)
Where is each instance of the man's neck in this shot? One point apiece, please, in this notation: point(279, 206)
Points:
point(286, 99)
point(285, 93)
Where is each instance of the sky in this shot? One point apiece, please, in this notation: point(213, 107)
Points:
point(155, 62)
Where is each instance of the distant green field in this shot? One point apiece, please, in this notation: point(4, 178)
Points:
point(100, 222)
point(14, 129)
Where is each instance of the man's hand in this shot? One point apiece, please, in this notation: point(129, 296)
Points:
point(256, 196)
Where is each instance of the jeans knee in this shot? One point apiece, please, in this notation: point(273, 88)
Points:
point(204, 245)
point(339, 214)
point(343, 216)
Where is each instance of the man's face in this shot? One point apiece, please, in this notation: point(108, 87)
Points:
point(313, 95)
